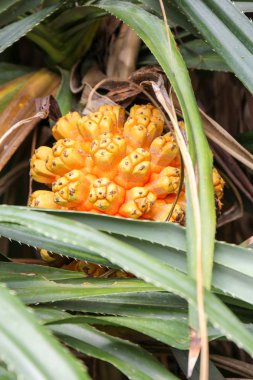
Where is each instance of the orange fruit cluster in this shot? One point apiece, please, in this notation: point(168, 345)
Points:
point(104, 164)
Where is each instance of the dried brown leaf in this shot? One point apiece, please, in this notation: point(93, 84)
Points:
point(235, 211)
point(233, 365)
point(233, 171)
point(21, 107)
point(49, 107)
point(92, 100)
point(92, 77)
point(123, 53)
point(221, 137)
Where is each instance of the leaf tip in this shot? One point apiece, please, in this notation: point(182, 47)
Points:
point(194, 350)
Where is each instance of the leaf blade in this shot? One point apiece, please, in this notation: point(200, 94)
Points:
point(22, 340)
point(132, 260)
point(13, 32)
point(132, 360)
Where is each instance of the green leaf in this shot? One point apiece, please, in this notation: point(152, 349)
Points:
point(22, 234)
point(13, 32)
point(64, 95)
point(77, 25)
point(36, 290)
point(23, 340)
point(5, 4)
point(223, 26)
point(10, 71)
point(6, 375)
point(244, 6)
point(196, 53)
point(49, 315)
point(17, 10)
point(233, 264)
point(133, 260)
point(173, 331)
point(174, 15)
point(132, 360)
point(165, 234)
point(46, 272)
point(230, 277)
point(230, 256)
point(199, 55)
point(235, 20)
point(150, 304)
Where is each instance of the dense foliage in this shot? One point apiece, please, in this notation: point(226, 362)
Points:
point(179, 275)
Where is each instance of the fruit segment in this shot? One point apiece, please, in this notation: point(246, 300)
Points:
point(178, 214)
point(106, 196)
point(90, 269)
point(72, 190)
point(134, 169)
point(38, 169)
point(66, 127)
point(218, 183)
point(107, 120)
point(66, 155)
point(144, 124)
point(117, 111)
point(162, 209)
point(107, 151)
point(94, 270)
point(163, 151)
point(166, 182)
point(139, 201)
point(42, 199)
point(144, 114)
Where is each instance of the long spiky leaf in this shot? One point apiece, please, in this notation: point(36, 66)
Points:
point(131, 259)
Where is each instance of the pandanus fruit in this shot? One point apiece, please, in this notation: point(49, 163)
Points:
point(104, 164)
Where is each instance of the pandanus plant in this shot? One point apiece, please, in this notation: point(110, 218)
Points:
point(93, 168)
